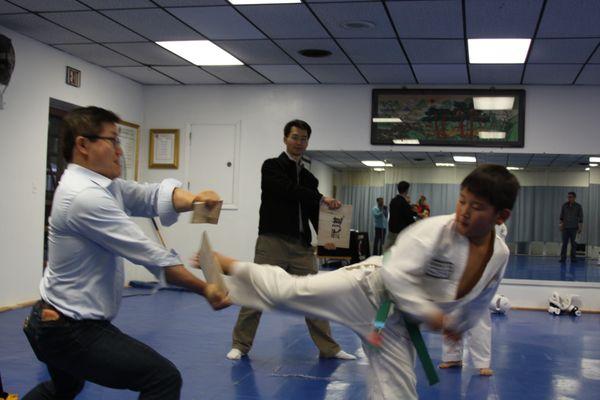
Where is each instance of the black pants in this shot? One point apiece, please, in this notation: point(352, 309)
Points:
point(568, 234)
point(379, 240)
point(96, 351)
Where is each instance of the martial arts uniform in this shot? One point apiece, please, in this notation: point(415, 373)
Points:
point(478, 338)
point(420, 275)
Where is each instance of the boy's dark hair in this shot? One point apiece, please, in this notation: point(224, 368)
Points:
point(403, 187)
point(298, 123)
point(572, 194)
point(495, 184)
point(86, 121)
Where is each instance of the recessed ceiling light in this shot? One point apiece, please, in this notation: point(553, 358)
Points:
point(200, 52)
point(594, 159)
point(493, 103)
point(358, 25)
point(373, 163)
point(406, 141)
point(379, 169)
point(387, 120)
point(315, 53)
point(514, 168)
point(491, 135)
point(389, 165)
point(444, 164)
point(243, 2)
point(498, 51)
point(593, 165)
point(469, 159)
point(587, 169)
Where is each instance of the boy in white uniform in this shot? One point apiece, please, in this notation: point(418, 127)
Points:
point(479, 338)
point(442, 271)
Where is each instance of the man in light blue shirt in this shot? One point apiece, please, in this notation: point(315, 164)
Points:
point(90, 233)
point(380, 215)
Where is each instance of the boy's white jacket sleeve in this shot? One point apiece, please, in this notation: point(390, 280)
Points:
point(404, 267)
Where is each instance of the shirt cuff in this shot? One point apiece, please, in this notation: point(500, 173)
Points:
point(166, 211)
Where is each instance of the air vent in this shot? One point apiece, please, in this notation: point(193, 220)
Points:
point(315, 53)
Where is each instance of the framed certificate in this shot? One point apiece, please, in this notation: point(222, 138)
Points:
point(164, 148)
point(130, 138)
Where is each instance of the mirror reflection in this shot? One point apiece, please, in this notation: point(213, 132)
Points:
point(552, 185)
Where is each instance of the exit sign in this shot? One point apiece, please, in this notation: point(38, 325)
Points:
point(73, 77)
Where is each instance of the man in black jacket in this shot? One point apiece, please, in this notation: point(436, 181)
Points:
point(290, 198)
point(401, 214)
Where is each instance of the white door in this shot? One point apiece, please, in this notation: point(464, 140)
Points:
point(213, 160)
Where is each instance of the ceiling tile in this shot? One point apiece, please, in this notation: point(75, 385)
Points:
point(181, 3)
point(502, 19)
point(284, 21)
point(441, 73)
point(236, 74)
point(38, 28)
point(255, 51)
point(568, 18)
point(570, 51)
point(392, 73)
point(429, 51)
point(334, 15)
point(373, 51)
point(590, 75)
point(50, 5)
point(148, 53)
point(285, 73)
point(190, 75)
point(218, 23)
point(110, 4)
point(7, 8)
point(94, 26)
point(154, 24)
point(551, 74)
point(97, 54)
point(335, 73)
point(427, 19)
point(144, 75)
point(292, 46)
point(496, 73)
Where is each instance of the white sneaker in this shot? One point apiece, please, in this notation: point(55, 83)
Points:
point(342, 355)
point(234, 354)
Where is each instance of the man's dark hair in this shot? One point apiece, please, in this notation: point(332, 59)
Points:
point(572, 194)
point(298, 123)
point(403, 187)
point(495, 184)
point(86, 121)
point(379, 198)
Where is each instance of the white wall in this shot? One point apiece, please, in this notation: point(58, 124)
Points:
point(40, 74)
point(325, 175)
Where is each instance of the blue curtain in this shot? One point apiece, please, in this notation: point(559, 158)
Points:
point(535, 216)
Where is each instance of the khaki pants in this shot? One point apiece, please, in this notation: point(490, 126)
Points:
point(296, 259)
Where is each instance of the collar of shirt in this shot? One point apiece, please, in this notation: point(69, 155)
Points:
point(299, 163)
point(95, 177)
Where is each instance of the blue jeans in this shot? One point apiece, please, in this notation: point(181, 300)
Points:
point(568, 234)
point(96, 351)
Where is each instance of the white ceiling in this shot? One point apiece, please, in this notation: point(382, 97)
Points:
point(344, 160)
point(410, 42)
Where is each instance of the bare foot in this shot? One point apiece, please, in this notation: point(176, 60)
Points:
point(450, 364)
point(486, 371)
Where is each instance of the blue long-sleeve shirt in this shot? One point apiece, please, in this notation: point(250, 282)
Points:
point(91, 232)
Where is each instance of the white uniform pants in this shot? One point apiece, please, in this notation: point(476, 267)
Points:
point(349, 296)
point(479, 344)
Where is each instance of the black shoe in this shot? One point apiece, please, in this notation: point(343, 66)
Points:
point(562, 260)
point(574, 260)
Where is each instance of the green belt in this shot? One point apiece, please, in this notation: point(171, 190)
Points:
point(415, 336)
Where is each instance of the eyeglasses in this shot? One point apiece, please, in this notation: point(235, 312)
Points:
point(301, 139)
point(116, 141)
